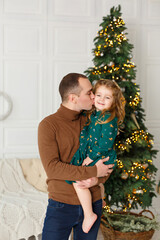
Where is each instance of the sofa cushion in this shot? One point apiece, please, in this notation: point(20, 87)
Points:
point(34, 173)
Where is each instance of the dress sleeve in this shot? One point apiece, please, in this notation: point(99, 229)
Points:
point(105, 140)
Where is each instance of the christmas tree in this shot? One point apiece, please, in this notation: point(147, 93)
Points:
point(132, 182)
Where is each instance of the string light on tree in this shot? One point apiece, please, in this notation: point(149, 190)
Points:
point(135, 100)
point(120, 163)
point(108, 209)
point(136, 135)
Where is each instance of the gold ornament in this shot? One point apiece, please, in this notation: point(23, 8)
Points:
point(124, 175)
point(110, 64)
point(144, 165)
point(132, 175)
point(137, 177)
point(137, 191)
point(149, 175)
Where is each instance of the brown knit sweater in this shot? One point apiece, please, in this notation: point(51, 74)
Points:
point(58, 140)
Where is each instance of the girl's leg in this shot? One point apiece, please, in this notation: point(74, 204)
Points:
point(102, 194)
point(85, 199)
point(78, 233)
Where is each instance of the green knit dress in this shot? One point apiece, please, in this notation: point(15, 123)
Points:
point(96, 141)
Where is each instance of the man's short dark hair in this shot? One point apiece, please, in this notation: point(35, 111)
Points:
point(70, 84)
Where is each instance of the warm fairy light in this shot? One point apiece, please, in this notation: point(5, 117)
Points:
point(112, 68)
point(129, 64)
point(128, 141)
point(116, 69)
point(108, 209)
point(135, 100)
point(121, 37)
point(129, 205)
point(129, 196)
point(120, 163)
point(125, 209)
point(143, 178)
point(110, 43)
point(105, 32)
point(122, 146)
point(151, 142)
point(136, 136)
point(117, 22)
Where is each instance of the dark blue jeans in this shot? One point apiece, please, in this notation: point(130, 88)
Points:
point(61, 218)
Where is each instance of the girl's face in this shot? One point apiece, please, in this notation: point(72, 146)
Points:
point(103, 98)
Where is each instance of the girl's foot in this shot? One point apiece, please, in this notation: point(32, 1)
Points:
point(88, 222)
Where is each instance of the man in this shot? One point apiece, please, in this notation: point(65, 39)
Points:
point(58, 140)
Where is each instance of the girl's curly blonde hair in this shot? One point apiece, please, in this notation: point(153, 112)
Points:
point(118, 106)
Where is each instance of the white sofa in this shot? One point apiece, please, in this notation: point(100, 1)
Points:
point(22, 203)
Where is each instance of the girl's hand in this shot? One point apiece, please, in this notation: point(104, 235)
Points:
point(87, 161)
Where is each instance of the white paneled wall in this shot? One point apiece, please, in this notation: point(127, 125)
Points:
point(149, 77)
point(42, 40)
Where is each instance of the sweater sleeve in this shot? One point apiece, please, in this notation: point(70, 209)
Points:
point(105, 140)
point(54, 167)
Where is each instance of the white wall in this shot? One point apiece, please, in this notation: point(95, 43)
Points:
point(42, 40)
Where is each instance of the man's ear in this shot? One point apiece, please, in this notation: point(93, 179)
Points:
point(72, 98)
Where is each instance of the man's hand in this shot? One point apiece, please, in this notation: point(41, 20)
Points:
point(102, 169)
point(90, 182)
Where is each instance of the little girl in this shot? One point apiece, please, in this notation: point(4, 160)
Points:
point(97, 138)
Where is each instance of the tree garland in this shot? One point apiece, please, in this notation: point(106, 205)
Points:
point(130, 223)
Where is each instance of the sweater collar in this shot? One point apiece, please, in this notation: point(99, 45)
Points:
point(67, 113)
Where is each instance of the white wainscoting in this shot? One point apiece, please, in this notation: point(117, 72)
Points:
point(42, 40)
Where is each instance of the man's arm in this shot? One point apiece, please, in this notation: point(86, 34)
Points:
point(50, 156)
point(97, 180)
point(92, 181)
point(54, 167)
